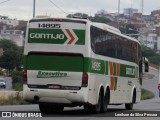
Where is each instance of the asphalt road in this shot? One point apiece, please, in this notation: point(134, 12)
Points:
point(72, 113)
point(8, 84)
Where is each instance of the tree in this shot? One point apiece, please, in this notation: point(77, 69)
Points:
point(81, 15)
point(151, 55)
point(101, 19)
point(12, 56)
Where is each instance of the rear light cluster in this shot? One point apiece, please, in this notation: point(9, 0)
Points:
point(85, 80)
point(159, 86)
point(25, 76)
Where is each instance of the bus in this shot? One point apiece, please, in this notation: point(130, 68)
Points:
point(72, 62)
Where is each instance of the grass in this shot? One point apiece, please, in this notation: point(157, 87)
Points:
point(17, 86)
point(146, 94)
point(13, 100)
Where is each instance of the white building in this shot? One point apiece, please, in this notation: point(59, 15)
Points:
point(158, 43)
point(129, 11)
point(101, 13)
point(14, 35)
point(6, 20)
point(149, 39)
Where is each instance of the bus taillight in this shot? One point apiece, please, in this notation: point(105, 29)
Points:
point(25, 76)
point(84, 80)
point(159, 86)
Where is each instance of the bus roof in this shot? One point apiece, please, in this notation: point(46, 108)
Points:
point(113, 30)
point(85, 21)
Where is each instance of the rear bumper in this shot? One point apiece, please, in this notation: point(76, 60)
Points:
point(55, 96)
point(2, 86)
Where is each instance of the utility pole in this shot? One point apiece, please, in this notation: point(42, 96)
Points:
point(142, 4)
point(118, 12)
point(34, 5)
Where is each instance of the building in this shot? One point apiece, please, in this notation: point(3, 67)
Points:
point(149, 39)
point(12, 29)
point(155, 13)
point(6, 20)
point(158, 43)
point(101, 13)
point(14, 35)
point(129, 12)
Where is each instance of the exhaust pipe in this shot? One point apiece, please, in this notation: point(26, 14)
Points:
point(36, 98)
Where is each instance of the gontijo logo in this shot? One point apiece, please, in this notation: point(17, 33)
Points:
point(46, 36)
point(55, 36)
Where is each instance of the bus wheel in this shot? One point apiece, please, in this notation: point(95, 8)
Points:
point(98, 106)
point(105, 102)
point(129, 106)
point(45, 107)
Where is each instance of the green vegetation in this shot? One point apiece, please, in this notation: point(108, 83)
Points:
point(151, 55)
point(17, 80)
point(94, 19)
point(145, 94)
point(12, 56)
point(129, 29)
point(13, 100)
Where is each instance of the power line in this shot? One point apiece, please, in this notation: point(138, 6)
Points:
point(5, 1)
point(58, 7)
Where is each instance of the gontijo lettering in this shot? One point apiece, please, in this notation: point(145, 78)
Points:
point(46, 36)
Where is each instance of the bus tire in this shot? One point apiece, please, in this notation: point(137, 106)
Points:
point(50, 108)
point(98, 107)
point(129, 106)
point(105, 101)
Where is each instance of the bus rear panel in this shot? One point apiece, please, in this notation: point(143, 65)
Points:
point(54, 61)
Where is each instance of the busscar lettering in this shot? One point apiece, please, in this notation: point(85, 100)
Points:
point(96, 66)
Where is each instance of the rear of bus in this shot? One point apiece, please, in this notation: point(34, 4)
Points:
point(54, 61)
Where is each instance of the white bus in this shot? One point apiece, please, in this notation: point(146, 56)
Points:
point(75, 62)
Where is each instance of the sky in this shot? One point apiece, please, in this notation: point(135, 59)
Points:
point(23, 9)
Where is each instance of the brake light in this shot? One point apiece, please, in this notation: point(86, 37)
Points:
point(25, 76)
point(159, 86)
point(84, 80)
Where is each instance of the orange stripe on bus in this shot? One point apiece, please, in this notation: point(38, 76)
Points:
point(118, 69)
point(71, 36)
point(112, 83)
point(111, 68)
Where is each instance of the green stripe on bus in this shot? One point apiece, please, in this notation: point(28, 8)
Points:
point(54, 36)
point(55, 63)
point(76, 64)
point(127, 71)
point(95, 66)
point(115, 83)
point(51, 36)
point(81, 36)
